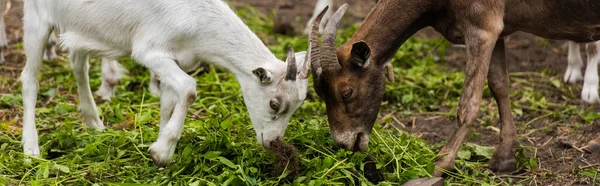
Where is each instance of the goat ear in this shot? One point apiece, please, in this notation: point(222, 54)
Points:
point(360, 54)
point(264, 76)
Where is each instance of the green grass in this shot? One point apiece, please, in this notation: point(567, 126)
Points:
point(218, 145)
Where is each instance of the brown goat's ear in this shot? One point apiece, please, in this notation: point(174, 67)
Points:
point(264, 76)
point(360, 54)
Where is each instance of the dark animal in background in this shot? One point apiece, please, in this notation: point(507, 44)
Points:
point(350, 78)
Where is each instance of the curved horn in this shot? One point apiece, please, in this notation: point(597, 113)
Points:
point(329, 58)
point(314, 54)
point(291, 65)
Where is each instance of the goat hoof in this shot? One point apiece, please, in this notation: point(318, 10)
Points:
point(155, 157)
point(573, 74)
point(95, 124)
point(503, 166)
point(161, 153)
point(104, 95)
point(589, 94)
point(592, 146)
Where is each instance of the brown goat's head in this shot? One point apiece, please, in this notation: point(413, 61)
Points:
point(350, 83)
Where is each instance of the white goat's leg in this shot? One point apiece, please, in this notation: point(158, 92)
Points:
point(36, 35)
point(320, 5)
point(590, 83)
point(87, 106)
point(3, 40)
point(168, 100)
point(112, 72)
point(178, 83)
point(573, 73)
point(154, 86)
point(50, 53)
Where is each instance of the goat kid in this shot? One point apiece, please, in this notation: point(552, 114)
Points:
point(589, 93)
point(169, 45)
point(350, 78)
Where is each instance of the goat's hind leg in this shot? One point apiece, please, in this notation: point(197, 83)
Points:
point(112, 72)
point(573, 73)
point(589, 93)
point(503, 160)
point(50, 52)
point(87, 106)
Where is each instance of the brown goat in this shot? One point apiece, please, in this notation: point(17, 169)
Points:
point(351, 78)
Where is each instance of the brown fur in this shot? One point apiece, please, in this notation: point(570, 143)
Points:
point(287, 159)
point(480, 25)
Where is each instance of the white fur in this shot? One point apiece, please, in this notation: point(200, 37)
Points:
point(112, 72)
point(590, 82)
point(573, 73)
point(319, 6)
point(589, 93)
point(186, 32)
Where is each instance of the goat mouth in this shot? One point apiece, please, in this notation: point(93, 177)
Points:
point(358, 141)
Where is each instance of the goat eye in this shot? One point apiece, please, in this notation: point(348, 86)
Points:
point(274, 105)
point(347, 93)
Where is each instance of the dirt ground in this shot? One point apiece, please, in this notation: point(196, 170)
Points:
point(525, 53)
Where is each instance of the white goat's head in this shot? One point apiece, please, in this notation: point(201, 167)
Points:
point(277, 91)
point(274, 95)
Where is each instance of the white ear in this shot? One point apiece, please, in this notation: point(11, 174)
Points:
point(264, 76)
point(300, 56)
point(303, 66)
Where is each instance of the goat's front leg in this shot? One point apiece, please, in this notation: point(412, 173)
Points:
point(573, 73)
point(176, 83)
point(87, 106)
point(479, 40)
point(168, 100)
point(35, 37)
point(504, 158)
point(112, 72)
point(589, 93)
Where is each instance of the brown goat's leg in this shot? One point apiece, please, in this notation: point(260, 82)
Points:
point(504, 158)
point(480, 43)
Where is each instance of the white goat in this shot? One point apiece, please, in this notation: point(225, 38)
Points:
point(168, 37)
point(589, 93)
